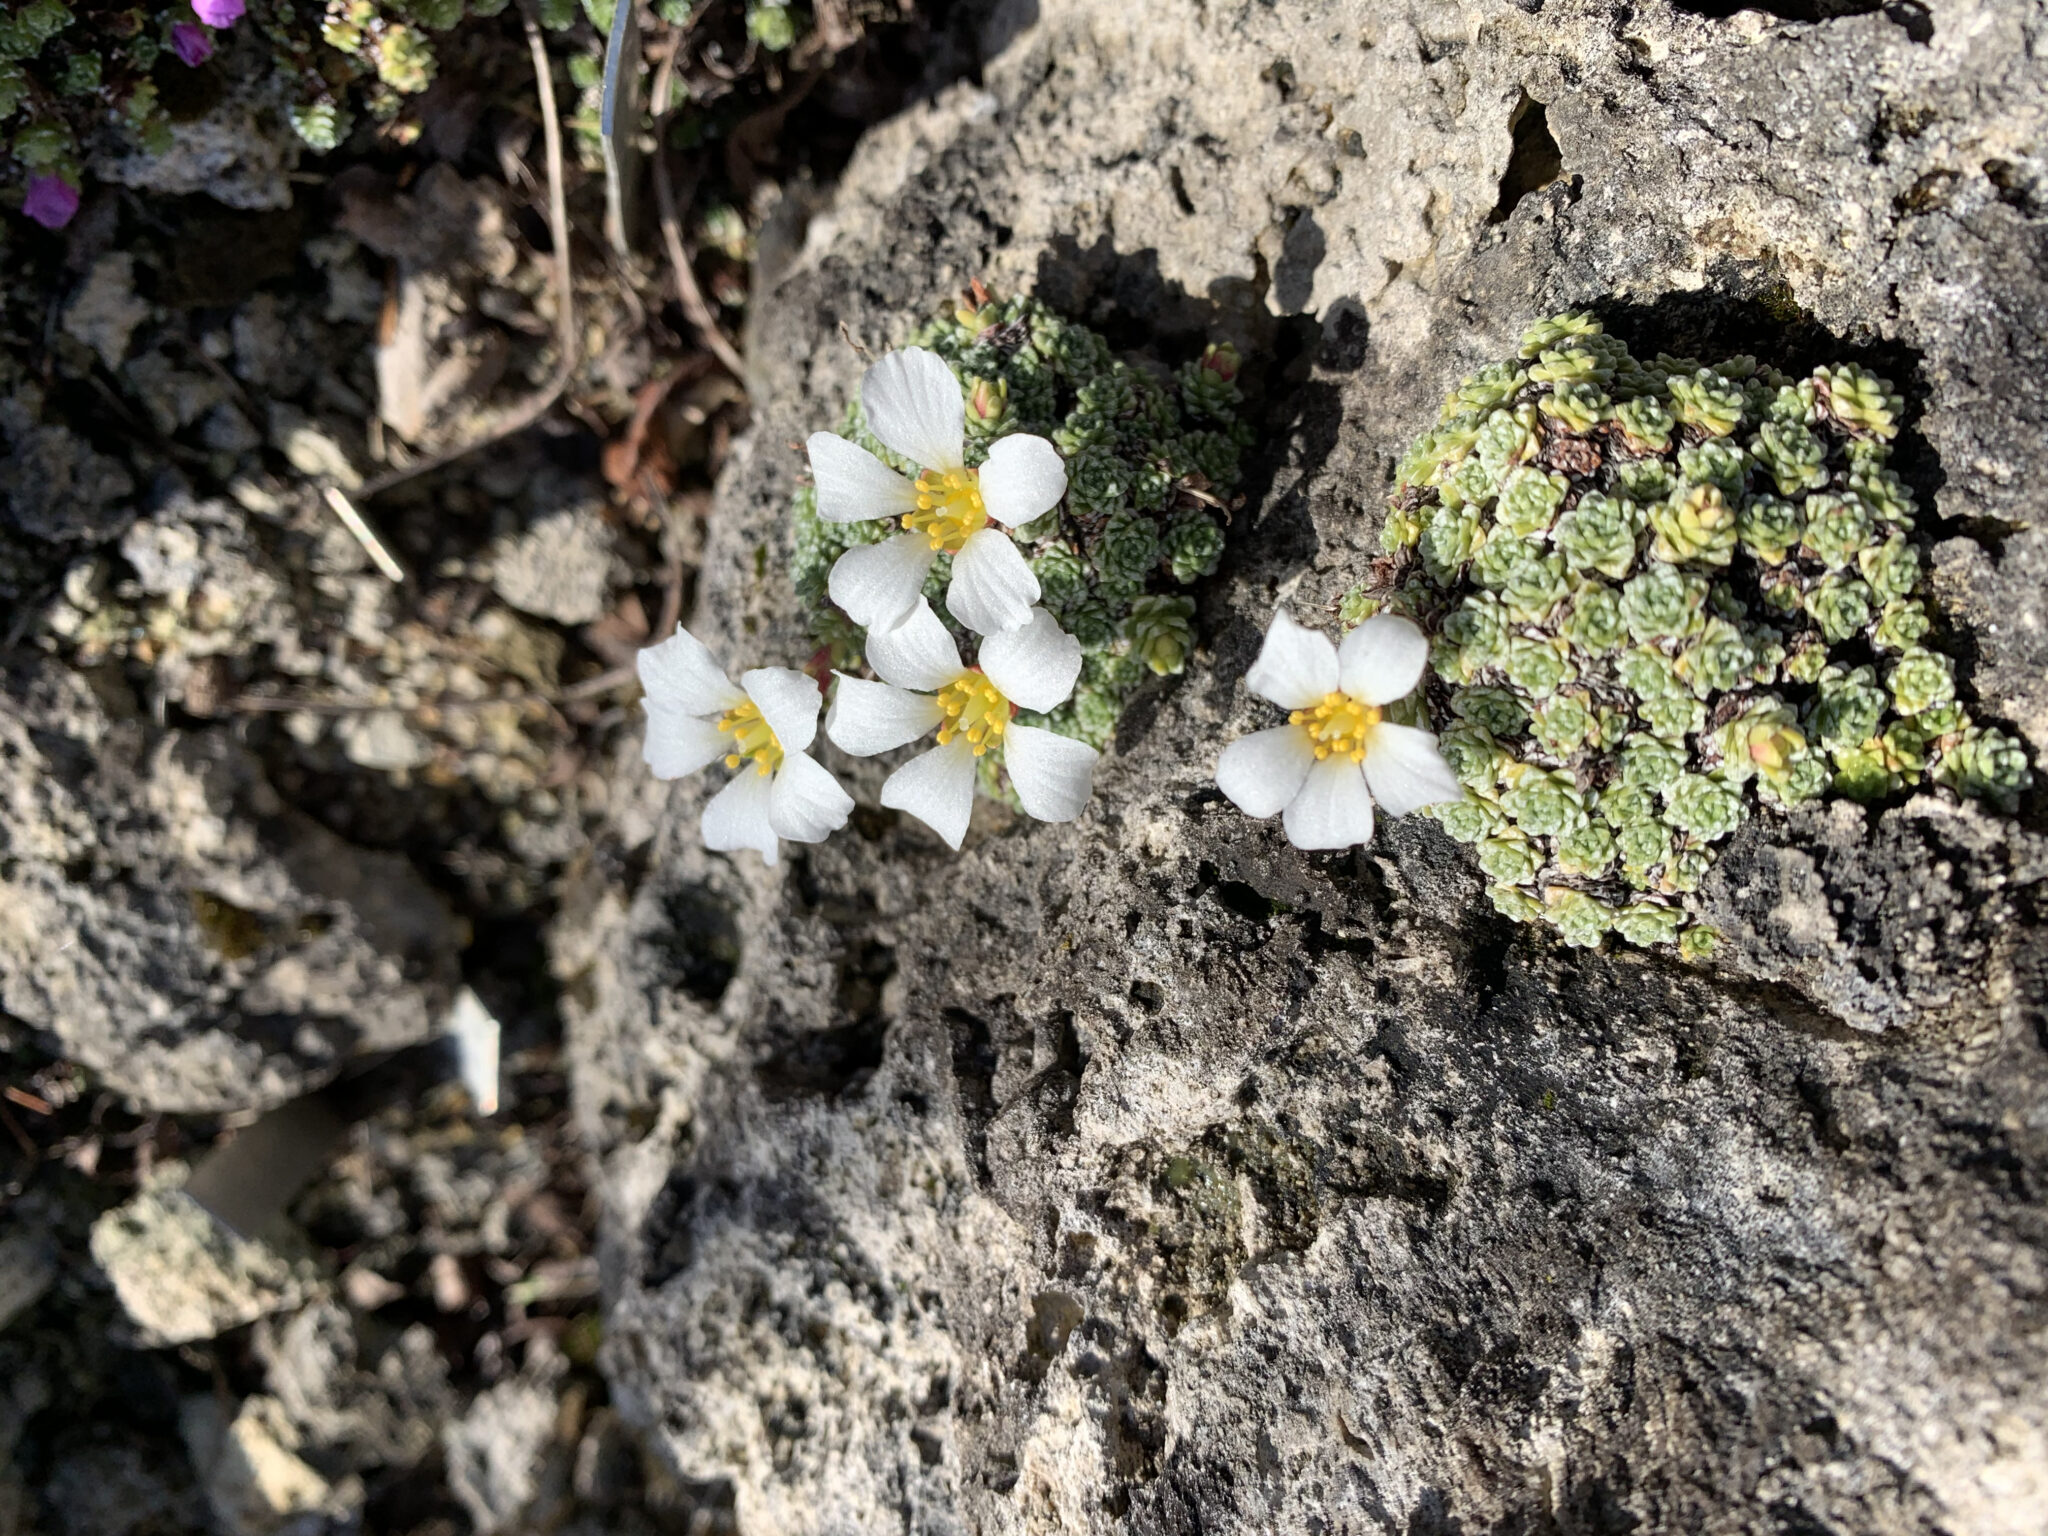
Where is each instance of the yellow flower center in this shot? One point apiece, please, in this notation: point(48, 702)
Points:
point(751, 736)
point(949, 509)
point(973, 705)
point(1339, 724)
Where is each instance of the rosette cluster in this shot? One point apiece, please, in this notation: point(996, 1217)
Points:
point(1659, 595)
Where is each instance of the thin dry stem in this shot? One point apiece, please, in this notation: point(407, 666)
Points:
point(668, 213)
point(535, 406)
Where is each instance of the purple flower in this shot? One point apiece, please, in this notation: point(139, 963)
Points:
point(218, 13)
point(191, 44)
point(51, 201)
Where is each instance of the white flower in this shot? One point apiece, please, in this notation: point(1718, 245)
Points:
point(695, 716)
point(924, 686)
point(1336, 755)
point(913, 405)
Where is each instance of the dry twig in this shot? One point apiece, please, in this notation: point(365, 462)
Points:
point(669, 214)
point(532, 409)
point(380, 556)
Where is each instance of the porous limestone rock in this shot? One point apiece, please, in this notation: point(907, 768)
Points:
point(181, 1276)
point(174, 926)
point(1148, 1175)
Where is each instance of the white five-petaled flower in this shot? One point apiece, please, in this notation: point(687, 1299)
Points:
point(696, 716)
point(1337, 754)
point(914, 407)
point(924, 686)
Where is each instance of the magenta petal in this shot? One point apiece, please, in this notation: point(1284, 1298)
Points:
point(191, 44)
point(218, 13)
point(51, 201)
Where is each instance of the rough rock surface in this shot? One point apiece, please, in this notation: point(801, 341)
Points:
point(241, 150)
point(1149, 1175)
point(177, 928)
point(181, 1277)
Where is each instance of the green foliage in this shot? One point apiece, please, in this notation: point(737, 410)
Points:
point(772, 26)
point(1660, 595)
point(1152, 464)
point(1161, 631)
point(322, 125)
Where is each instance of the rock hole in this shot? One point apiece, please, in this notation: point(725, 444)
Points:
point(839, 1060)
point(1236, 896)
point(1927, 194)
point(974, 1071)
point(1911, 16)
point(1302, 249)
point(1784, 10)
point(700, 942)
point(1534, 160)
point(667, 1239)
point(2015, 188)
point(828, 1063)
point(1347, 334)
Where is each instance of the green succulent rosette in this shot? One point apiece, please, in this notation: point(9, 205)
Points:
point(1660, 595)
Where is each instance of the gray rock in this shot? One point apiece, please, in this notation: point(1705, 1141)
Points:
point(557, 569)
point(57, 492)
point(1148, 1175)
point(240, 152)
point(105, 311)
point(176, 927)
point(505, 1463)
point(255, 1481)
point(359, 1418)
point(380, 740)
point(181, 1276)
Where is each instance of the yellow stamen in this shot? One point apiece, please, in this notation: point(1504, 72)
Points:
point(949, 509)
point(750, 734)
point(974, 707)
point(1340, 724)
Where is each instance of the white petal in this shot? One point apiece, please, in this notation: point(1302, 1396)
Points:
point(937, 787)
point(918, 653)
point(1334, 808)
point(788, 701)
point(992, 588)
point(1035, 665)
point(680, 672)
point(867, 718)
point(805, 803)
point(877, 584)
point(737, 816)
point(679, 743)
point(1022, 478)
point(1053, 775)
point(1405, 771)
point(1382, 659)
point(853, 485)
point(1296, 667)
point(1263, 771)
point(915, 407)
